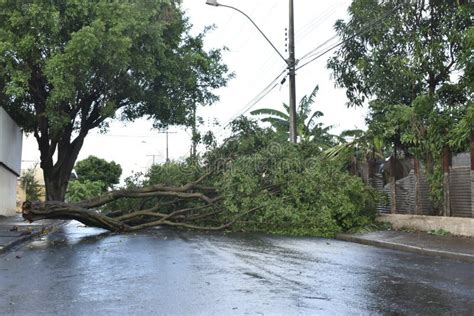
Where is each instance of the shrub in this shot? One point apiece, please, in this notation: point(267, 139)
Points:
point(83, 190)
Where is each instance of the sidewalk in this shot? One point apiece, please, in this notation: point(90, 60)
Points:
point(451, 247)
point(14, 230)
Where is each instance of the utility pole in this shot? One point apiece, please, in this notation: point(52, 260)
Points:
point(290, 62)
point(194, 133)
point(291, 69)
point(153, 158)
point(167, 132)
point(167, 154)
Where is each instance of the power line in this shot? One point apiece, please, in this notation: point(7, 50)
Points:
point(311, 52)
point(265, 91)
point(320, 55)
point(360, 32)
point(318, 21)
point(133, 136)
point(257, 98)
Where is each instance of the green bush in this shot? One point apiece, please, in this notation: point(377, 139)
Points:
point(95, 169)
point(83, 190)
point(31, 185)
point(173, 173)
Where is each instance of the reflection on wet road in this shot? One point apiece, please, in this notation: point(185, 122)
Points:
point(79, 270)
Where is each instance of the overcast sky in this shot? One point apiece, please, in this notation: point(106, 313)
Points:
point(255, 64)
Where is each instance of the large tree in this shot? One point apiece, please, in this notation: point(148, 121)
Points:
point(95, 169)
point(69, 66)
point(412, 62)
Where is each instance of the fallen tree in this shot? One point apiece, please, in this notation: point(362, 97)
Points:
point(201, 207)
point(250, 183)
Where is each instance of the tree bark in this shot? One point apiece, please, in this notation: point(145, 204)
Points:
point(446, 193)
point(57, 174)
point(472, 150)
point(371, 171)
point(57, 177)
point(198, 209)
point(393, 186)
point(472, 172)
point(416, 164)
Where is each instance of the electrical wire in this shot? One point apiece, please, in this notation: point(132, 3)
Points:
point(318, 21)
point(265, 91)
point(311, 52)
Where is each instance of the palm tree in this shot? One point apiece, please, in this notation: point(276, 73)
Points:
point(306, 123)
point(357, 145)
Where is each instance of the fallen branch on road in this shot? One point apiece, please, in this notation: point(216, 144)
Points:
point(200, 205)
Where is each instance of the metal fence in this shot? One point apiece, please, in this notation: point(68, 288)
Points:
point(461, 191)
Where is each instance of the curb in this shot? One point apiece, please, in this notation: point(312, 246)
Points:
point(408, 248)
point(50, 228)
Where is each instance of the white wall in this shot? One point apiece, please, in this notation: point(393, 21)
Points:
point(459, 226)
point(10, 142)
point(7, 192)
point(10, 156)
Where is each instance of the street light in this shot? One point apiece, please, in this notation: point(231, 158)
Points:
point(290, 62)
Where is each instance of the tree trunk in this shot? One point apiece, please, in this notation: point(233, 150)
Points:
point(354, 166)
point(393, 185)
point(57, 175)
point(446, 193)
point(371, 171)
point(56, 186)
point(472, 150)
point(198, 210)
point(416, 164)
point(472, 172)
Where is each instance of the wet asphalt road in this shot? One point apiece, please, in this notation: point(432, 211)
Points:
point(79, 271)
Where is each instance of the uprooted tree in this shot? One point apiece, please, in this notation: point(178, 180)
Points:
point(253, 182)
point(205, 201)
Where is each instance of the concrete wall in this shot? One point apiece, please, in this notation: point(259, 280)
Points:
point(7, 192)
point(455, 225)
point(10, 142)
point(10, 162)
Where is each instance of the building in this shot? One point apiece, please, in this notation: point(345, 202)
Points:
point(10, 162)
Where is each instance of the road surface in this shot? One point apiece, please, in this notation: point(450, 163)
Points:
point(84, 271)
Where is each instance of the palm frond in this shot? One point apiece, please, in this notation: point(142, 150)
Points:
point(352, 133)
point(308, 100)
point(279, 124)
point(270, 112)
point(315, 115)
point(338, 150)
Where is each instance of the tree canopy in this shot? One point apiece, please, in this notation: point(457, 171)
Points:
point(67, 67)
point(414, 48)
point(412, 62)
point(96, 169)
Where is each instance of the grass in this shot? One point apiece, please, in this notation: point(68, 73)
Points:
point(439, 232)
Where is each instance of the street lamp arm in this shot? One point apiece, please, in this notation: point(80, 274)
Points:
point(256, 26)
